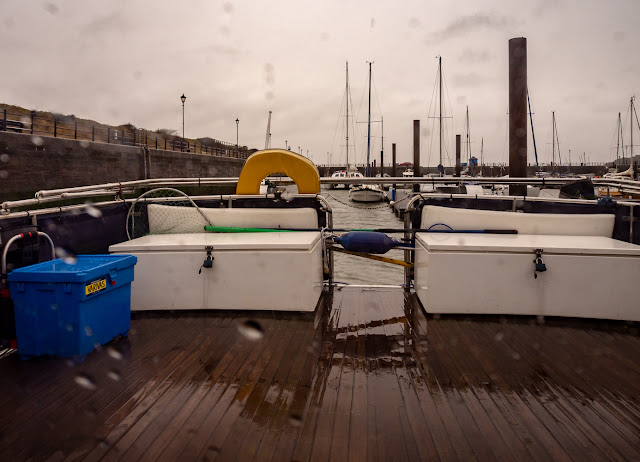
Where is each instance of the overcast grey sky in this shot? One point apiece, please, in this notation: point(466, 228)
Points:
point(130, 60)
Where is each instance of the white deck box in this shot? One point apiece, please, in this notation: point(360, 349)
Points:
point(586, 276)
point(251, 271)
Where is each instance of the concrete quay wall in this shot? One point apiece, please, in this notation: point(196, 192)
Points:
point(30, 163)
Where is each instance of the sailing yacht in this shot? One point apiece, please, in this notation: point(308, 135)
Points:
point(367, 192)
point(348, 171)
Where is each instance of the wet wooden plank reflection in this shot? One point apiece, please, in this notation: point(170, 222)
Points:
point(368, 376)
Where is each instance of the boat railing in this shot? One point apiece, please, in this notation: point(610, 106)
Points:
point(129, 187)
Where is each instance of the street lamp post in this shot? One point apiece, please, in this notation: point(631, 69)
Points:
point(183, 99)
point(237, 143)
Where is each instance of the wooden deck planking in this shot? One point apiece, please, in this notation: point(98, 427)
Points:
point(369, 376)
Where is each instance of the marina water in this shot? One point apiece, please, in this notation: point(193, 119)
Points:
point(348, 214)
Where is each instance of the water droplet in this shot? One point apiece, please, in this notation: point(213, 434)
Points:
point(516, 355)
point(85, 381)
point(540, 319)
point(91, 210)
point(67, 257)
point(88, 331)
point(155, 359)
point(269, 95)
point(69, 327)
point(37, 140)
point(213, 449)
point(499, 336)
point(4, 158)
point(251, 329)
point(228, 8)
point(51, 8)
point(84, 144)
point(414, 22)
point(115, 354)
point(295, 420)
point(114, 375)
point(4, 174)
point(372, 24)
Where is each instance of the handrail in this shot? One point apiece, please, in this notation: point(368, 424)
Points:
point(70, 128)
point(5, 251)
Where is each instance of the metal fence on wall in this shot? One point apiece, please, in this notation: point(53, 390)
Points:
point(58, 128)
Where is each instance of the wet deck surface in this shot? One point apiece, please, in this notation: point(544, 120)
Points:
point(367, 377)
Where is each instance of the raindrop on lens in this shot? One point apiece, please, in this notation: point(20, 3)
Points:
point(499, 336)
point(37, 140)
point(67, 257)
point(295, 420)
point(85, 381)
point(114, 375)
point(115, 354)
point(88, 331)
point(4, 174)
point(91, 210)
point(4, 158)
point(251, 329)
point(84, 144)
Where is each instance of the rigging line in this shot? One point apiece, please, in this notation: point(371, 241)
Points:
point(375, 90)
point(446, 146)
point(558, 144)
point(337, 123)
point(431, 127)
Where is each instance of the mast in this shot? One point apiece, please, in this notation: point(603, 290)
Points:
point(558, 144)
point(631, 132)
point(553, 140)
point(618, 147)
point(468, 144)
point(440, 116)
point(266, 138)
point(367, 173)
point(347, 120)
point(535, 150)
point(482, 157)
point(382, 153)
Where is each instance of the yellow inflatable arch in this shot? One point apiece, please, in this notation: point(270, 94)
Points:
point(264, 163)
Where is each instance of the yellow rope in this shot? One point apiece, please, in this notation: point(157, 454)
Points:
point(372, 257)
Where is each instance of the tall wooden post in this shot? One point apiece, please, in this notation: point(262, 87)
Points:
point(416, 153)
point(457, 155)
point(393, 162)
point(518, 113)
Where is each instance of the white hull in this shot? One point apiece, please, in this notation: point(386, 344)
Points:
point(366, 193)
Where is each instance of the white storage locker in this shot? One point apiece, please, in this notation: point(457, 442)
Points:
point(250, 271)
point(586, 276)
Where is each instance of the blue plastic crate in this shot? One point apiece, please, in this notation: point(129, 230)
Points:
point(67, 309)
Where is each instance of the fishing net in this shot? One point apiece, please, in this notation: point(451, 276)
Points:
point(164, 211)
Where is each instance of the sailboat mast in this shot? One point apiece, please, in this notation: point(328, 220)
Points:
point(468, 142)
point(482, 156)
point(553, 140)
point(347, 119)
point(369, 124)
point(440, 117)
point(631, 132)
point(382, 153)
point(618, 147)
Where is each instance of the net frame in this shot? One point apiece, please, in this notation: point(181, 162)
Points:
point(183, 211)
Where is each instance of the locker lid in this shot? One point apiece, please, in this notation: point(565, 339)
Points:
point(526, 243)
point(299, 240)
